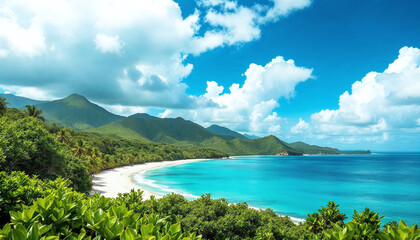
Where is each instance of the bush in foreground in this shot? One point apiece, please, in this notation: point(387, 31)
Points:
point(46, 209)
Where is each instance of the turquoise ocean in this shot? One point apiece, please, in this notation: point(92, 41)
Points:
point(388, 183)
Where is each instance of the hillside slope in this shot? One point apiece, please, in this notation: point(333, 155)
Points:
point(19, 102)
point(314, 149)
point(185, 133)
point(166, 130)
point(226, 131)
point(77, 112)
point(269, 145)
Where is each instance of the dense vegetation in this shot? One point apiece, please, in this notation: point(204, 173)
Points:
point(31, 208)
point(28, 144)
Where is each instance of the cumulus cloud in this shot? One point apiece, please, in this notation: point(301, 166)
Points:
point(300, 127)
point(378, 104)
point(23, 41)
point(126, 52)
point(249, 107)
point(108, 44)
point(29, 92)
point(283, 8)
point(234, 23)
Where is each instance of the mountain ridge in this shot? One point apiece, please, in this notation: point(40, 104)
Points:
point(77, 112)
point(225, 131)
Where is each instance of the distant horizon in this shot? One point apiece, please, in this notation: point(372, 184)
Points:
point(339, 73)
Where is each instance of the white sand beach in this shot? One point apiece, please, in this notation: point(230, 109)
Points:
point(119, 180)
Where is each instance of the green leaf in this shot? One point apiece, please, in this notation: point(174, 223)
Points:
point(175, 228)
point(33, 233)
point(16, 234)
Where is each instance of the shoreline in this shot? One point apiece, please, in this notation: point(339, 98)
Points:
point(110, 182)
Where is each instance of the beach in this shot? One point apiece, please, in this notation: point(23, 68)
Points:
point(119, 180)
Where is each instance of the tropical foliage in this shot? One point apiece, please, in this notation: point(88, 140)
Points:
point(66, 214)
point(28, 144)
point(328, 224)
point(34, 112)
point(44, 209)
point(3, 105)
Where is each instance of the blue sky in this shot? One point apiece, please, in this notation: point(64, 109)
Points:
point(278, 67)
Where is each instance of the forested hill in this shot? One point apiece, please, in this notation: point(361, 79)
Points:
point(77, 112)
point(180, 132)
point(226, 131)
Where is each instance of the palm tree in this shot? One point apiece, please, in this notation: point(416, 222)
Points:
point(80, 150)
point(34, 112)
point(3, 105)
point(62, 136)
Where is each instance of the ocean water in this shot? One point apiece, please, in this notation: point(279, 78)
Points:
point(388, 183)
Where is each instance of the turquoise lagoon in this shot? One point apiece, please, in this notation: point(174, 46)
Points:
point(388, 183)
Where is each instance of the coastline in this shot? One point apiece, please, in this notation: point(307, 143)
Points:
point(119, 180)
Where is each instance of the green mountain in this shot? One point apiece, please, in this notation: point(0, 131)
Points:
point(185, 133)
point(166, 130)
point(19, 102)
point(313, 149)
point(269, 145)
point(77, 112)
point(225, 131)
point(251, 136)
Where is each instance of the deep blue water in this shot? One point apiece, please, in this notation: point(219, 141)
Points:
point(388, 183)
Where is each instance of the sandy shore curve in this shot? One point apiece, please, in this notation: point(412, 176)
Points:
point(119, 180)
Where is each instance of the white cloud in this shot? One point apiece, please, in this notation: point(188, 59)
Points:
point(108, 44)
point(418, 121)
point(23, 41)
point(250, 107)
point(239, 26)
point(58, 46)
point(29, 92)
point(236, 23)
point(3, 53)
point(283, 8)
point(300, 127)
point(379, 103)
point(165, 113)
